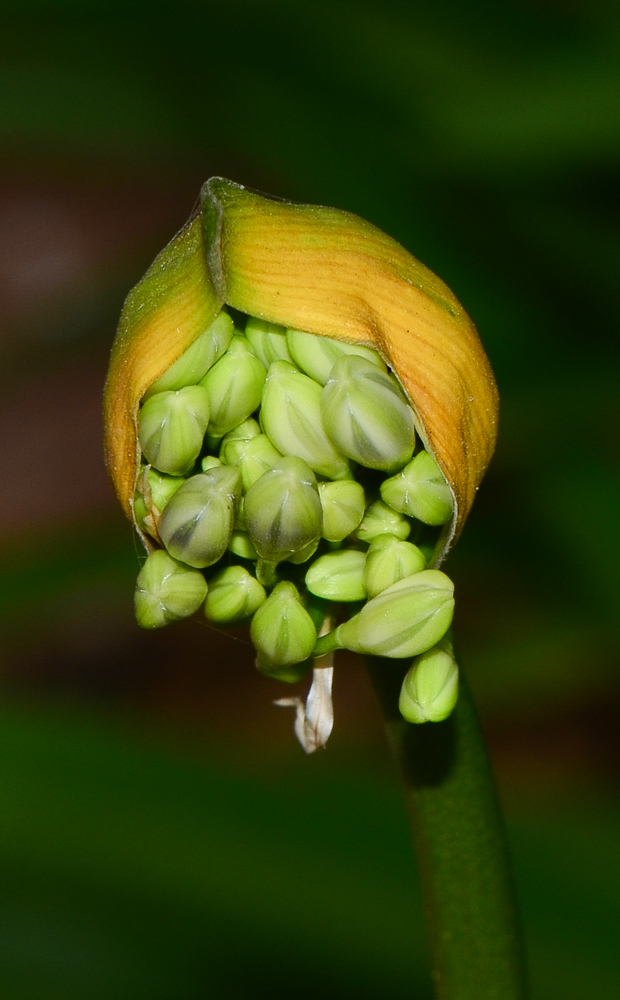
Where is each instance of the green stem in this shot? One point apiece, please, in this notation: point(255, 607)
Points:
point(475, 940)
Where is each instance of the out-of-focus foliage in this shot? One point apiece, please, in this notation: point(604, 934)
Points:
point(486, 138)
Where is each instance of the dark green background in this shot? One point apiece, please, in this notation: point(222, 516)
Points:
point(162, 835)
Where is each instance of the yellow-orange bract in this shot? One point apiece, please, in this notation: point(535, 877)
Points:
point(324, 271)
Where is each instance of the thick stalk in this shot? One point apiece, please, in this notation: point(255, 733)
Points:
point(476, 948)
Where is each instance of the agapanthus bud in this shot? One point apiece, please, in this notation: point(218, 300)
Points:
point(268, 341)
point(195, 362)
point(366, 415)
point(282, 510)
point(241, 545)
point(379, 519)
point(343, 506)
point(282, 630)
point(316, 356)
point(258, 457)
point(210, 462)
point(197, 522)
point(167, 591)
point(420, 490)
point(430, 688)
point(234, 385)
point(291, 418)
point(172, 427)
point(389, 560)
point(338, 576)
point(234, 594)
point(233, 445)
point(404, 620)
point(153, 490)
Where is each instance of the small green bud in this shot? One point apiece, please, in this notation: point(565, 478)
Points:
point(172, 427)
point(316, 356)
point(197, 523)
point(282, 510)
point(167, 591)
point(195, 362)
point(420, 490)
point(234, 594)
point(304, 554)
point(338, 576)
point(431, 685)
point(404, 620)
point(236, 441)
point(389, 560)
point(258, 457)
point(380, 519)
point(268, 341)
point(282, 630)
point(343, 506)
point(234, 385)
point(153, 491)
point(210, 462)
point(241, 545)
point(291, 418)
point(366, 415)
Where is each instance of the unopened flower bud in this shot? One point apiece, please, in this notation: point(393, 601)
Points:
point(234, 594)
point(316, 356)
point(235, 442)
point(241, 545)
point(258, 457)
point(304, 554)
point(234, 385)
point(197, 522)
point(430, 688)
point(389, 560)
point(268, 341)
point(282, 510)
point(420, 490)
point(282, 630)
point(291, 418)
point(153, 491)
point(167, 591)
point(338, 576)
point(195, 362)
point(210, 462)
point(404, 620)
point(366, 415)
point(343, 506)
point(380, 519)
point(172, 427)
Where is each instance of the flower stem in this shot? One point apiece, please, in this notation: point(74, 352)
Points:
point(472, 920)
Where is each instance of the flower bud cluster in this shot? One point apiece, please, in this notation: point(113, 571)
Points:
point(283, 476)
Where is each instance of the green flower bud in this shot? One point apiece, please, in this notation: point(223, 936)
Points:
point(282, 630)
point(316, 356)
point(389, 560)
point(420, 490)
point(366, 415)
point(197, 522)
point(282, 510)
point(430, 688)
point(291, 418)
point(241, 545)
point(195, 362)
point(343, 506)
point(304, 554)
point(234, 443)
point(258, 457)
point(268, 341)
point(152, 494)
point(167, 591)
point(210, 462)
point(338, 576)
point(404, 620)
point(234, 384)
point(234, 594)
point(172, 427)
point(380, 519)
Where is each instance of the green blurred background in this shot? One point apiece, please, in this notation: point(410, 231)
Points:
point(162, 835)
